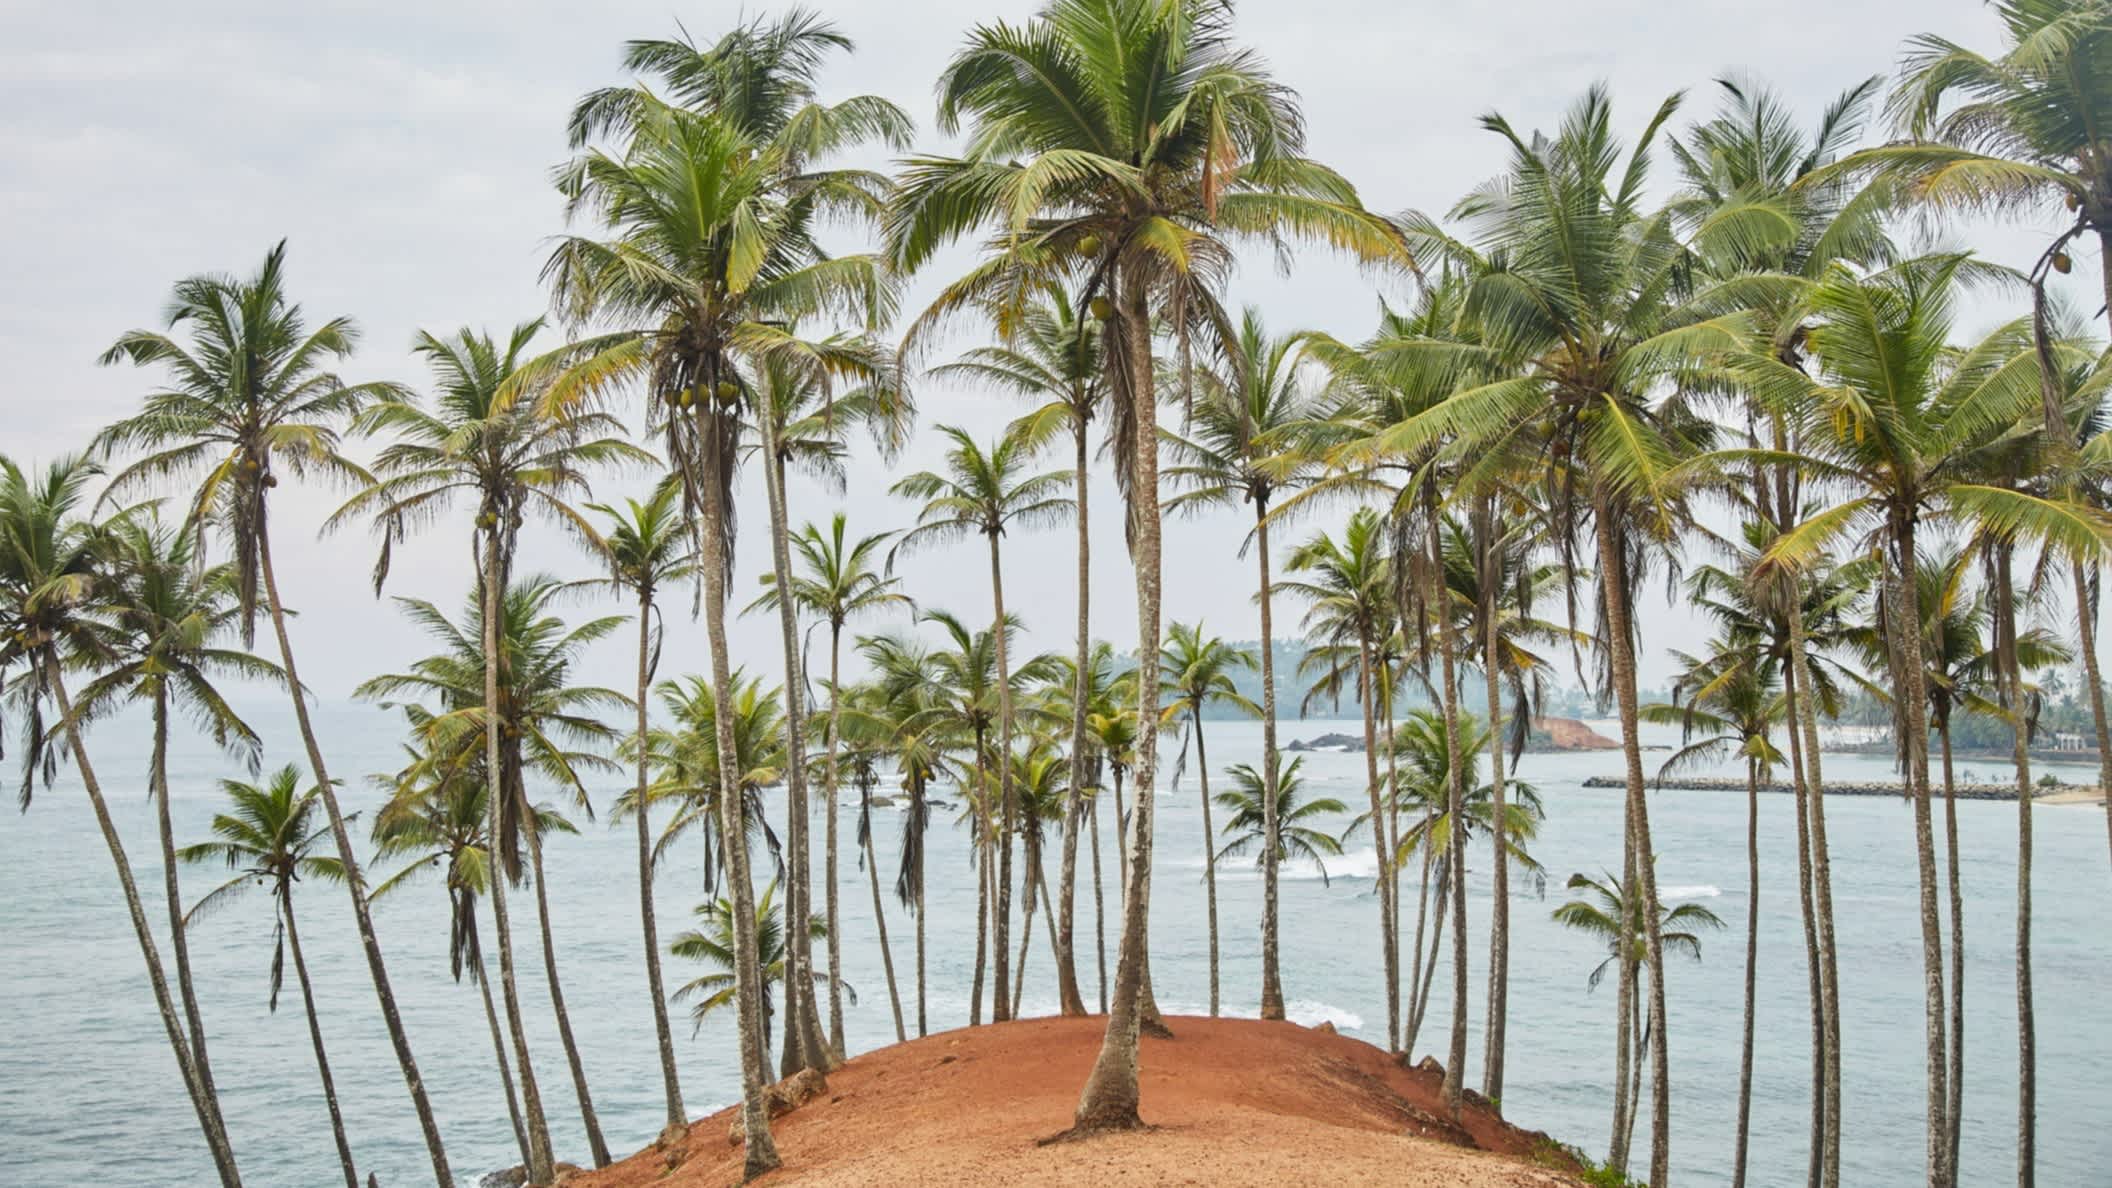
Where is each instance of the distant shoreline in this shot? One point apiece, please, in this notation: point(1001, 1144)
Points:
point(2058, 794)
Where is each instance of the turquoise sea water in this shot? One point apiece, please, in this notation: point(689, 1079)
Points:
point(89, 1093)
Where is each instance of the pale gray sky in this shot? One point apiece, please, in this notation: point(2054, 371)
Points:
point(404, 150)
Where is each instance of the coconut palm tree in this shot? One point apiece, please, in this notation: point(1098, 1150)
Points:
point(913, 719)
point(1248, 827)
point(1605, 911)
point(250, 393)
point(1052, 354)
point(1197, 671)
point(1038, 778)
point(1243, 444)
point(1109, 742)
point(986, 492)
point(166, 615)
point(711, 942)
point(48, 584)
point(1132, 142)
point(547, 719)
point(838, 580)
point(863, 732)
point(1349, 605)
point(269, 838)
point(684, 759)
point(647, 549)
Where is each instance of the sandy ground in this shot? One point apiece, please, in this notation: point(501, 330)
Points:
point(1229, 1102)
point(2071, 796)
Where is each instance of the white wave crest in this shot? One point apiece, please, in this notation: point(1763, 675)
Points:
point(1689, 891)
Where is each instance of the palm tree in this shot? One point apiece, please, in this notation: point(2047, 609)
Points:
point(166, 614)
point(711, 941)
point(1241, 444)
point(837, 582)
point(1110, 749)
point(251, 392)
point(686, 765)
point(546, 718)
point(1053, 355)
point(863, 731)
point(910, 716)
point(1348, 598)
point(1607, 912)
point(492, 438)
point(48, 583)
point(1248, 827)
point(1040, 773)
point(710, 208)
point(647, 549)
point(984, 492)
point(269, 838)
point(1130, 141)
point(1197, 671)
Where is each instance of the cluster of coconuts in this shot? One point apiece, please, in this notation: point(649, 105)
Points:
point(1102, 309)
point(251, 466)
point(727, 392)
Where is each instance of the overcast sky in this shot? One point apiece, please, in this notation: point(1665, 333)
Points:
point(404, 151)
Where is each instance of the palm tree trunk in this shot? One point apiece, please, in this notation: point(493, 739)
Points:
point(2027, 1023)
point(887, 953)
point(208, 1114)
point(315, 1036)
point(442, 1177)
point(1812, 967)
point(498, 1038)
point(1614, 589)
point(979, 839)
point(1624, 1028)
point(923, 1023)
point(1421, 981)
point(1752, 965)
point(1635, 1085)
point(1026, 931)
point(2086, 627)
point(1500, 892)
point(1389, 951)
point(1271, 970)
point(1001, 1009)
point(1822, 890)
point(835, 938)
point(670, 1081)
point(1202, 760)
point(1913, 704)
point(1099, 904)
point(595, 1143)
point(1070, 1000)
point(1121, 839)
point(1456, 806)
point(1109, 1101)
point(1415, 954)
point(540, 1159)
point(733, 832)
point(1956, 888)
point(179, 936)
point(805, 1046)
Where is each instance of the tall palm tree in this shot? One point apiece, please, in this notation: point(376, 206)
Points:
point(491, 438)
point(986, 492)
point(863, 731)
point(1053, 355)
point(1242, 445)
point(1606, 911)
point(684, 760)
point(711, 941)
point(838, 580)
point(1038, 779)
point(1197, 671)
point(1247, 828)
point(710, 208)
point(1130, 141)
point(167, 615)
point(647, 549)
point(912, 718)
point(1348, 597)
point(48, 583)
point(1110, 739)
point(250, 393)
point(268, 838)
point(547, 720)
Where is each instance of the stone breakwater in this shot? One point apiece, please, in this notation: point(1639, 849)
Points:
point(1863, 788)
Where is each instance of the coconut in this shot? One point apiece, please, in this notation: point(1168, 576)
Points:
point(1089, 246)
point(1102, 308)
point(728, 391)
point(2061, 263)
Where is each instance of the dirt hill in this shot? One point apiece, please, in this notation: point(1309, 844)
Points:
point(1229, 1102)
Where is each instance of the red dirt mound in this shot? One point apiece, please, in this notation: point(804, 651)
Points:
point(1229, 1102)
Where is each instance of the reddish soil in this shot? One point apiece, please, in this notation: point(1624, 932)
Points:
point(1228, 1101)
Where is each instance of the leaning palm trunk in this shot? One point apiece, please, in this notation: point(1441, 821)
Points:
point(1822, 889)
point(2086, 626)
point(1415, 953)
point(2019, 725)
point(1389, 950)
point(1001, 1007)
point(1109, 1101)
point(671, 1082)
point(179, 943)
point(498, 1037)
point(830, 906)
point(1624, 1029)
point(982, 907)
point(1271, 974)
point(1099, 905)
point(1752, 965)
point(541, 1164)
point(588, 1118)
point(749, 989)
point(1621, 644)
point(1812, 967)
point(1956, 889)
point(1026, 930)
point(1500, 893)
point(1202, 761)
point(355, 886)
point(208, 1113)
point(805, 1046)
point(315, 1037)
point(1420, 982)
point(887, 953)
point(1456, 805)
point(1069, 1000)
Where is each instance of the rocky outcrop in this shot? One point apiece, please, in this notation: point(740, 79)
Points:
point(781, 1099)
point(1567, 734)
point(1328, 742)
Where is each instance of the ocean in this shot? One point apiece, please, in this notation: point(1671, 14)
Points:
point(90, 1094)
